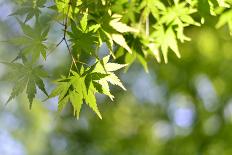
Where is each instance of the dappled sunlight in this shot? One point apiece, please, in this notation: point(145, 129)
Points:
point(206, 92)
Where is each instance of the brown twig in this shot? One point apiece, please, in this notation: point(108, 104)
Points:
point(64, 39)
point(64, 35)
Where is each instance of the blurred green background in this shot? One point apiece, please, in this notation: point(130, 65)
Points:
point(180, 108)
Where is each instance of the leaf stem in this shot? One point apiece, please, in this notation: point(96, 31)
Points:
point(147, 26)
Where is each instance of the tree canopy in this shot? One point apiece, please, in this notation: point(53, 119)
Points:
point(130, 30)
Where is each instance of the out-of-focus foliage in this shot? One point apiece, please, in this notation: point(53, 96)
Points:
point(25, 75)
point(131, 30)
point(180, 108)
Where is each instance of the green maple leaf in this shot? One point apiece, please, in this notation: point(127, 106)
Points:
point(74, 89)
point(225, 18)
point(32, 42)
point(84, 38)
point(179, 16)
point(30, 8)
point(25, 76)
point(122, 5)
point(153, 7)
point(106, 68)
point(208, 8)
point(83, 86)
point(164, 40)
point(68, 7)
point(112, 30)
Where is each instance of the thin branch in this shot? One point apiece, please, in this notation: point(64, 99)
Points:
point(60, 42)
point(53, 48)
point(70, 69)
point(66, 20)
point(73, 59)
point(65, 24)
